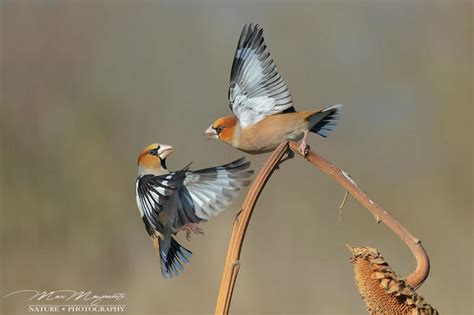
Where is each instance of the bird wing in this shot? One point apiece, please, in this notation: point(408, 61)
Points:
point(153, 193)
point(256, 88)
point(198, 195)
point(207, 192)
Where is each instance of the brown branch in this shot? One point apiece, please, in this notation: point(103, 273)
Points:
point(417, 277)
point(232, 263)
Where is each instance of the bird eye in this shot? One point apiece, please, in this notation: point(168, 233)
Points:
point(219, 129)
point(154, 152)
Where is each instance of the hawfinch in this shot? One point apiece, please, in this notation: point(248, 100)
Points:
point(264, 115)
point(170, 202)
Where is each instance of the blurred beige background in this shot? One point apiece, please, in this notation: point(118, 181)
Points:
point(87, 84)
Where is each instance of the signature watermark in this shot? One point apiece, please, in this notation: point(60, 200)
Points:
point(71, 301)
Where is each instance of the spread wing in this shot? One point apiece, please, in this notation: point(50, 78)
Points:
point(256, 88)
point(199, 195)
point(207, 192)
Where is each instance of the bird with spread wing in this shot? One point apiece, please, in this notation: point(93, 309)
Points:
point(170, 202)
point(264, 115)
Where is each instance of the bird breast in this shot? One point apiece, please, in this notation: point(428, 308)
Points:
point(267, 134)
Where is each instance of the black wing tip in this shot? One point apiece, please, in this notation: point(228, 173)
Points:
point(242, 183)
point(187, 166)
point(241, 174)
point(238, 165)
point(235, 163)
point(239, 160)
point(252, 26)
point(251, 32)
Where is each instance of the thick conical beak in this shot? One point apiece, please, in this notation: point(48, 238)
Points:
point(211, 133)
point(164, 151)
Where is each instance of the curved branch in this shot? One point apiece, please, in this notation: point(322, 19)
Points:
point(417, 277)
point(232, 263)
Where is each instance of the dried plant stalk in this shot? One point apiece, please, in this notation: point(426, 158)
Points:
point(381, 288)
point(232, 263)
point(417, 277)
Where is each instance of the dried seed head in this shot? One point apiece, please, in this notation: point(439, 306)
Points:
point(382, 289)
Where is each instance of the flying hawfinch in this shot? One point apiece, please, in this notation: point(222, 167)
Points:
point(264, 115)
point(170, 202)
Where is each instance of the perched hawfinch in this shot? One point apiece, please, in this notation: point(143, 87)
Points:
point(170, 202)
point(264, 115)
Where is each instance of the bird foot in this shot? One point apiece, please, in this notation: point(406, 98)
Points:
point(304, 148)
point(191, 228)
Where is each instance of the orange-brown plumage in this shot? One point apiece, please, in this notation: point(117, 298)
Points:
point(151, 159)
point(145, 158)
point(266, 134)
point(225, 127)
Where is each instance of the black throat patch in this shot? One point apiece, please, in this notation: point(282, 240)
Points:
point(163, 163)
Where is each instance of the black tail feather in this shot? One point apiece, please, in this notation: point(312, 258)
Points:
point(325, 120)
point(173, 256)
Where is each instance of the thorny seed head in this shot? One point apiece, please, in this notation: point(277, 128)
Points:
point(382, 289)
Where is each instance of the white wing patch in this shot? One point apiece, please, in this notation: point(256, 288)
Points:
point(252, 110)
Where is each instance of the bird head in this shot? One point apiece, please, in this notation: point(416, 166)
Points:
point(222, 129)
point(152, 159)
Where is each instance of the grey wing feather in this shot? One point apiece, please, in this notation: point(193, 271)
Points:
point(256, 88)
point(210, 191)
point(199, 195)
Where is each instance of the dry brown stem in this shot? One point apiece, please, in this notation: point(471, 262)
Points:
point(232, 263)
point(381, 288)
point(417, 277)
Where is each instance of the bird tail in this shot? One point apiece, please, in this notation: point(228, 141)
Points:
point(172, 256)
point(324, 121)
